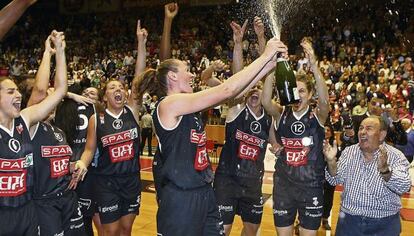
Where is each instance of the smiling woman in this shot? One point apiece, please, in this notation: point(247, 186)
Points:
point(18, 211)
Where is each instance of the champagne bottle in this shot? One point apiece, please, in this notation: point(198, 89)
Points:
point(286, 83)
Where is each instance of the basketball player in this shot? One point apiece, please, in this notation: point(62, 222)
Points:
point(299, 171)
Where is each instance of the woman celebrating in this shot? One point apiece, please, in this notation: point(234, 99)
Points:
point(114, 135)
point(299, 175)
point(16, 163)
point(238, 177)
point(188, 205)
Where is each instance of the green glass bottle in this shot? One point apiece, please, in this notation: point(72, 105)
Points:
point(286, 83)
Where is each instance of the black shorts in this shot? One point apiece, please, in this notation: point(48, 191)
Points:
point(239, 196)
point(60, 215)
point(289, 199)
point(19, 220)
point(188, 212)
point(84, 190)
point(117, 196)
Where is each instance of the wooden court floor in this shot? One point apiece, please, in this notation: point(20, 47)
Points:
point(145, 223)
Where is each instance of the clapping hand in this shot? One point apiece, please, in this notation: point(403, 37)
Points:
point(330, 151)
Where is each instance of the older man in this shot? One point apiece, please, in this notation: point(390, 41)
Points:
point(395, 132)
point(374, 175)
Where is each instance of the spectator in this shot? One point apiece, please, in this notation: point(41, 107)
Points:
point(376, 202)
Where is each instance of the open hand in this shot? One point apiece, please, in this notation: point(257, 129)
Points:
point(238, 31)
point(308, 50)
point(382, 159)
point(258, 26)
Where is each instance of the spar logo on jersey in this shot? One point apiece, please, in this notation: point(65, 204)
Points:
point(298, 128)
point(201, 161)
point(56, 151)
point(249, 146)
point(296, 152)
point(12, 164)
point(14, 145)
point(12, 184)
point(249, 139)
point(121, 137)
point(198, 138)
point(59, 159)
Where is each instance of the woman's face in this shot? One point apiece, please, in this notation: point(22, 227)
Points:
point(185, 77)
point(304, 97)
point(10, 99)
point(254, 98)
point(91, 93)
point(115, 95)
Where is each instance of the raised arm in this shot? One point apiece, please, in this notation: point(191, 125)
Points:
point(171, 10)
point(238, 32)
point(11, 13)
point(321, 88)
point(141, 63)
point(260, 33)
point(41, 110)
point(271, 106)
point(176, 105)
point(133, 100)
point(41, 85)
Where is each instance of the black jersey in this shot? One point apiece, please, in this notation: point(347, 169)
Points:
point(51, 155)
point(16, 165)
point(301, 161)
point(84, 112)
point(185, 162)
point(117, 144)
point(245, 147)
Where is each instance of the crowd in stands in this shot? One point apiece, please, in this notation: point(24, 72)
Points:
point(359, 61)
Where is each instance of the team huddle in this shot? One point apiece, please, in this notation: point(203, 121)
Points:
point(67, 160)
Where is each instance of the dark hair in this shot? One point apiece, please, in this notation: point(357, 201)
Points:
point(155, 81)
point(67, 119)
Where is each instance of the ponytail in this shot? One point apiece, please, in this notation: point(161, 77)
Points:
point(155, 81)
